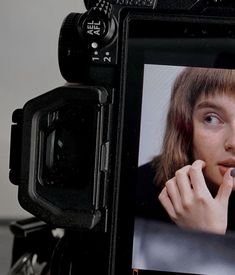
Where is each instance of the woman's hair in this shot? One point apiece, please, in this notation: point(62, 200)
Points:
point(189, 86)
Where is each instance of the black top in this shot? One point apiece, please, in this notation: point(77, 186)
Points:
point(148, 206)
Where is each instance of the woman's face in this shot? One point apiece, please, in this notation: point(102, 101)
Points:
point(214, 136)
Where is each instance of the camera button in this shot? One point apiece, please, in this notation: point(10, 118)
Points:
point(104, 164)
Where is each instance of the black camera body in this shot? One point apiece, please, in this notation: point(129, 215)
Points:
point(74, 149)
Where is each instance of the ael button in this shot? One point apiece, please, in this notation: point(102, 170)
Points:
point(98, 25)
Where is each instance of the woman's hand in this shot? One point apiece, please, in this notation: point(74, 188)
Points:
point(190, 204)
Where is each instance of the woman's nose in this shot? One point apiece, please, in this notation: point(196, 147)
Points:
point(230, 140)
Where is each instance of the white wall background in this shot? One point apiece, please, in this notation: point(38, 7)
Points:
point(28, 67)
point(158, 81)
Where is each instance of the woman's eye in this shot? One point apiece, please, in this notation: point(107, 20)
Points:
point(212, 119)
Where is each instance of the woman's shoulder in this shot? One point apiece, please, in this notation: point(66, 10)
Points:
point(146, 172)
point(146, 179)
point(147, 191)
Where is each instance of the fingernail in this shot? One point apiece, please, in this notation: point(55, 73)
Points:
point(232, 173)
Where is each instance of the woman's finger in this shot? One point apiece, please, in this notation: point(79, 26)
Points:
point(174, 195)
point(166, 203)
point(197, 179)
point(184, 184)
point(226, 187)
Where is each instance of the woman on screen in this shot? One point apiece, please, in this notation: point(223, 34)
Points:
point(193, 175)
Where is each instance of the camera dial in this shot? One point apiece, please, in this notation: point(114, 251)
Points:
point(87, 39)
point(98, 25)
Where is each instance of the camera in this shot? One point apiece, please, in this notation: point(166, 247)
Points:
point(75, 150)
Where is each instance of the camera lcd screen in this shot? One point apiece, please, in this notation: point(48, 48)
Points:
point(156, 56)
point(159, 245)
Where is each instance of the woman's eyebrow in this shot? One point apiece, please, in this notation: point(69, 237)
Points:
point(208, 104)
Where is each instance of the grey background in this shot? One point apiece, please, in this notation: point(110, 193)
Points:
point(158, 81)
point(28, 67)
